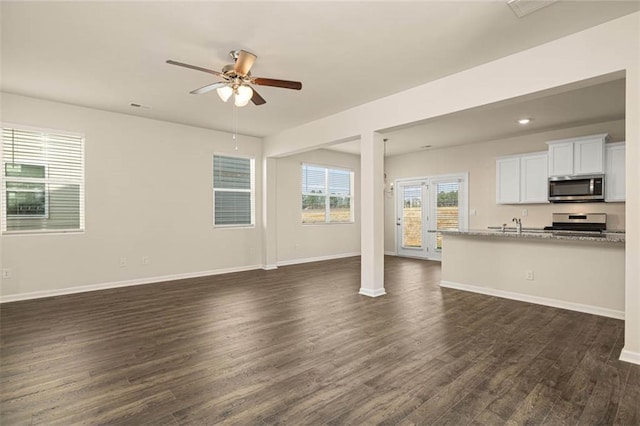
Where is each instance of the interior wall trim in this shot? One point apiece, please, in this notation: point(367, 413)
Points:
point(628, 356)
point(372, 293)
point(562, 304)
point(117, 284)
point(316, 259)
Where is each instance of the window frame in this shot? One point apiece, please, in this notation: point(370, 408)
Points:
point(251, 191)
point(327, 195)
point(81, 182)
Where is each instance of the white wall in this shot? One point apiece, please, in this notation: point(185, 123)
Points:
point(297, 242)
point(479, 160)
point(148, 193)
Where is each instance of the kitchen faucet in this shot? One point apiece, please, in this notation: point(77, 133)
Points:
point(518, 224)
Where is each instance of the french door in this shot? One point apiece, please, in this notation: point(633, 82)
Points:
point(425, 206)
point(412, 220)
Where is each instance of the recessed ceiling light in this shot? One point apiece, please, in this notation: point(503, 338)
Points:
point(524, 121)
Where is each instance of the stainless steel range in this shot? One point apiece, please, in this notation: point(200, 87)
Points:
point(580, 223)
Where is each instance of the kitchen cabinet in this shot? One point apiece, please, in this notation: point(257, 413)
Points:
point(508, 180)
point(577, 156)
point(533, 178)
point(522, 179)
point(614, 172)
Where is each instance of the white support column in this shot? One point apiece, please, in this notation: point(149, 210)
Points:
point(631, 350)
point(269, 213)
point(372, 214)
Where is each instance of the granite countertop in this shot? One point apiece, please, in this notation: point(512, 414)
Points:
point(539, 234)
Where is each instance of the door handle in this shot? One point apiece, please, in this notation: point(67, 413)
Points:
point(398, 222)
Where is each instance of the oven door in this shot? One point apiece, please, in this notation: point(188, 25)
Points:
point(576, 189)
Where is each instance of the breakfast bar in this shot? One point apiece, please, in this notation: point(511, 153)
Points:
point(572, 271)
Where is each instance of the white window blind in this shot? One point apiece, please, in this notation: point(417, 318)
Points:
point(447, 208)
point(327, 194)
point(42, 181)
point(233, 191)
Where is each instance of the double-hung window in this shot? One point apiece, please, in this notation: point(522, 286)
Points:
point(42, 181)
point(327, 194)
point(233, 191)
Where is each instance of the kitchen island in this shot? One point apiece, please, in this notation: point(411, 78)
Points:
point(571, 271)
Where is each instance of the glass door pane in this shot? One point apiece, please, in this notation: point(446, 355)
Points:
point(412, 216)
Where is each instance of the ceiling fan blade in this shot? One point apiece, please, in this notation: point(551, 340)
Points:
point(286, 84)
point(194, 67)
point(244, 62)
point(257, 99)
point(208, 88)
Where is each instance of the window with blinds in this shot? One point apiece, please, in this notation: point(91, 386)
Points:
point(327, 194)
point(42, 181)
point(447, 208)
point(233, 191)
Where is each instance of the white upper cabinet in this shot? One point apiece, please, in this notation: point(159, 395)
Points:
point(577, 156)
point(508, 180)
point(614, 190)
point(561, 159)
point(522, 179)
point(533, 178)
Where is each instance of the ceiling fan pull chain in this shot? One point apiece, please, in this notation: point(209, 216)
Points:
point(235, 125)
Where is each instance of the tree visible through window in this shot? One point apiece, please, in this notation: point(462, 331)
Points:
point(327, 195)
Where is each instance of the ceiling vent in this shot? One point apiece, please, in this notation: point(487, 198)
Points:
point(524, 7)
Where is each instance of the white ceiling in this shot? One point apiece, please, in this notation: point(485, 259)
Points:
point(591, 102)
point(108, 54)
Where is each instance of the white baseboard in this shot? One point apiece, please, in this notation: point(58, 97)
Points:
point(372, 293)
point(390, 253)
point(628, 356)
point(269, 267)
point(117, 284)
point(589, 309)
point(316, 259)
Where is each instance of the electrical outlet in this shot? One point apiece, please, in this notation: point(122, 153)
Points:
point(525, 212)
point(145, 260)
point(472, 212)
point(6, 274)
point(528, 275)
point(123, 262)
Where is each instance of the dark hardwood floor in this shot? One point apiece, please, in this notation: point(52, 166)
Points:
point(298, 345)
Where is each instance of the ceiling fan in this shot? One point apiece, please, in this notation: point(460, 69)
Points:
point(236, 79)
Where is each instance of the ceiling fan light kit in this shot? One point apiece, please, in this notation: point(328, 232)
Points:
point(236, 79)
point(243, 95)
point(224, 92)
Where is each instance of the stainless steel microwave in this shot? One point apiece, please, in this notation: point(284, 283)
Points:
point(576, 189)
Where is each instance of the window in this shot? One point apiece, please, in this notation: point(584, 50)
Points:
point(42, 181)
point(447, 208)
point(233, 191)
point(327, 195)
